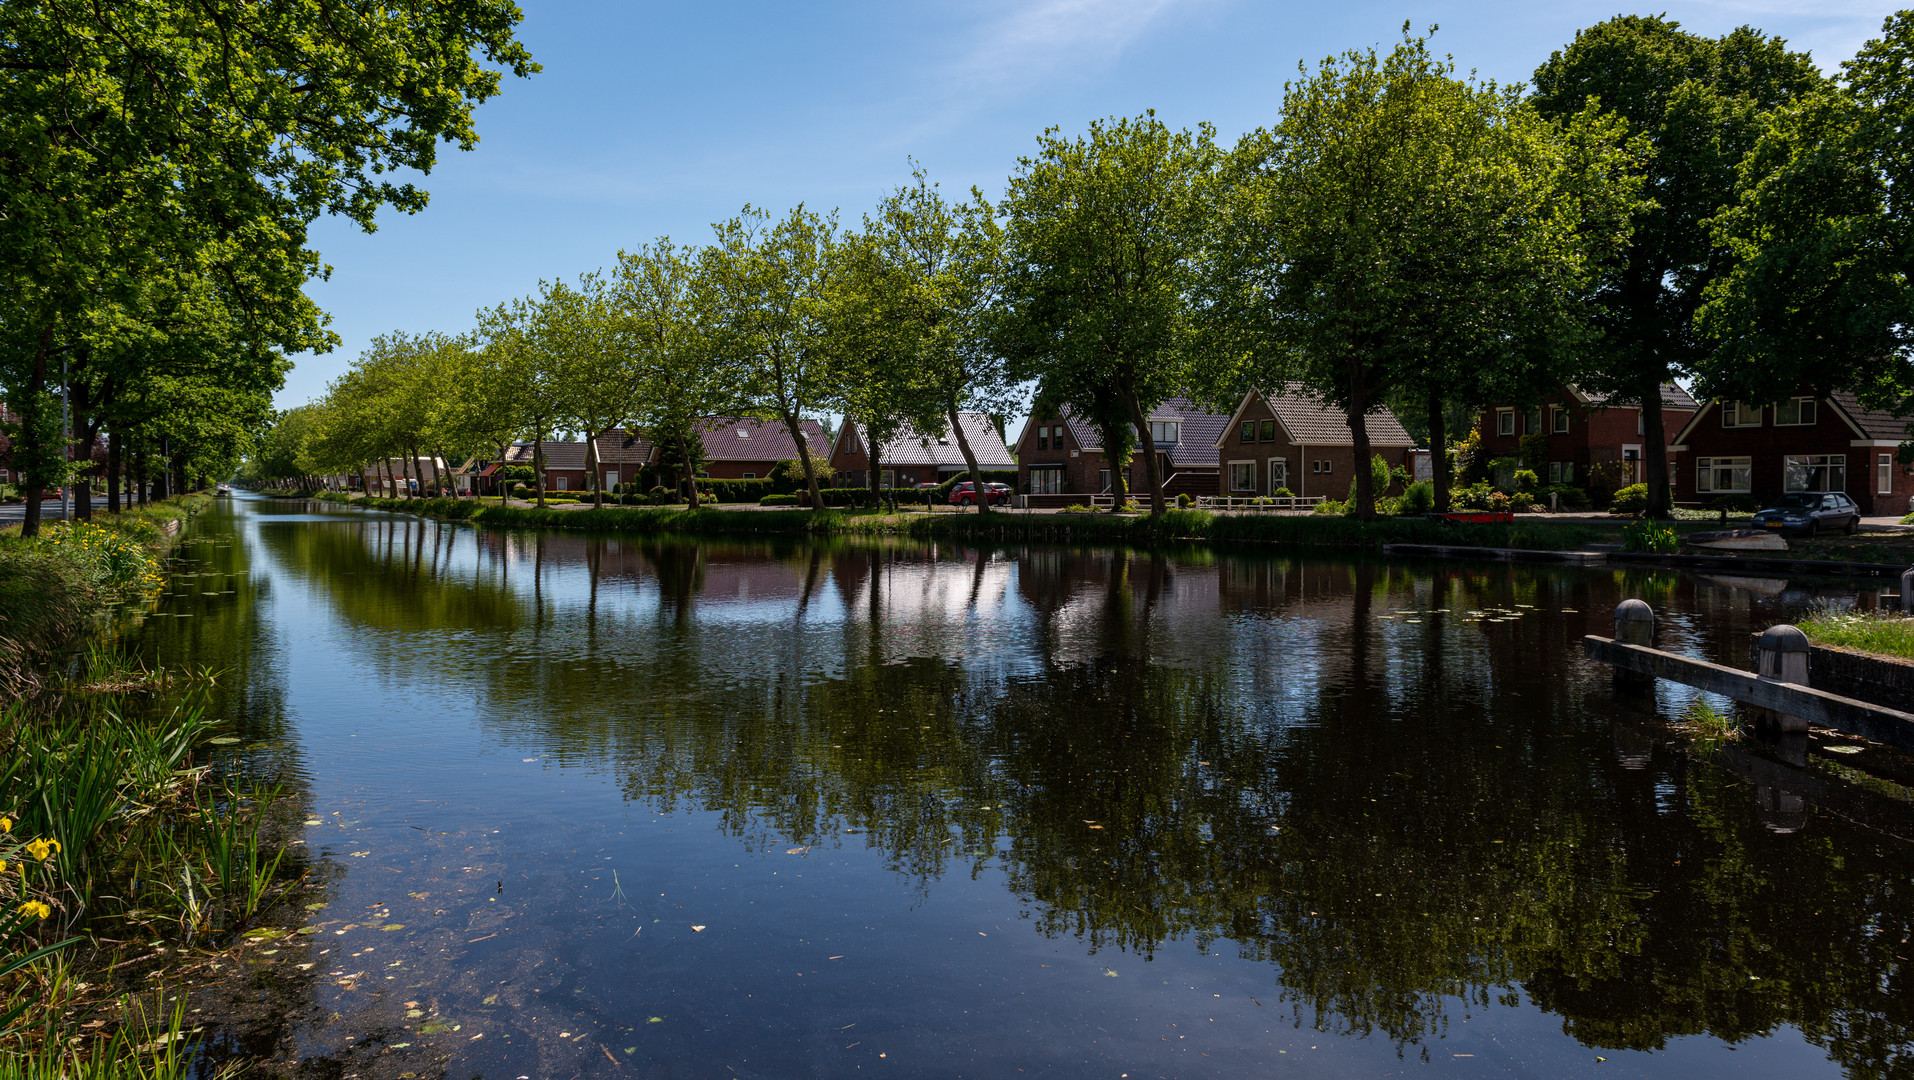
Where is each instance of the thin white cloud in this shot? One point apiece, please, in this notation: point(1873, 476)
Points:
point(1030, 42)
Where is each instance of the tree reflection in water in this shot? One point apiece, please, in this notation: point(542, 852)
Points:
point(1407, 812)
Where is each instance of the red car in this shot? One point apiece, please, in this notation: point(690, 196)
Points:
point(965, 494)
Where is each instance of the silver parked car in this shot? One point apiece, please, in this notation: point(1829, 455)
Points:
point(1810, 512)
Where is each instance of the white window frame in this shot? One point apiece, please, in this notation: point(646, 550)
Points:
point(1505, 422)
point(1278, 466)
point(1793, 407)
point(748, 476)
point(1734, 415)
point(1171, 432)
point(1708, 472)
point(1103, 479)
point(564, 484)
point(1558, 420)
point(1884, 474)
point(1245, 479)
point(1329, 465)
point(1794, 466)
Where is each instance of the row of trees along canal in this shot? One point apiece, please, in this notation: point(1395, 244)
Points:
point(1659, 205)
point(158, 173)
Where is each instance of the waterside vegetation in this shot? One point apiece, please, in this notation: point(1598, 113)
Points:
point(1882, 633)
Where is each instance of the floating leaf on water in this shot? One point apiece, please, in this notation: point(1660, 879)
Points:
point(393, 926)
point(656, 1020)
point(697, 929)
point(414, 1014)
point(226, 740)
point(314, 821)
point(1843, 749)
point(490, 999)
point(1110, 972)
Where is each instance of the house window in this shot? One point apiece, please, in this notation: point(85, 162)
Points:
point(1269, 430)
point(1532, 423)
point(744, 433)
point(1046, 480)
point(1722, 475)
point(1248, 434)
point(1043, 438)
point(1164, 432)
point(1278, 474)
point(1740, 414)
point(1814, 472)
point(1884, 474)
point(1561, 472)
point(1103, 481)
point(749, 475)
point(1641, 422)
point(1560, 416)
point(1242, 476)
point(1505, 421)
point(1795, 412)
point(1056, 436)
point(564, 483)
point(611, 479)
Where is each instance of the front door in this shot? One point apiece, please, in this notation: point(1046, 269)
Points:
point(1278, 474)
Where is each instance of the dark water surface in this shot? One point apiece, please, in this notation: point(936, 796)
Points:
point(625, 807)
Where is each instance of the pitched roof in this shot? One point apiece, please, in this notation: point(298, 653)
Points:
point(1876, 423)
point(1311, 422)
point(616, 447)
point(729, 438)
point(1672, 397)
point(910, 448)
point(1196, 439)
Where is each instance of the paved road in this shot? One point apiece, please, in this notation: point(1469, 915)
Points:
point(15, 513)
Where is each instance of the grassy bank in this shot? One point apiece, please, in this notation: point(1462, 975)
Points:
point(1879, 633)
point(60, 588)
point(1335, 533)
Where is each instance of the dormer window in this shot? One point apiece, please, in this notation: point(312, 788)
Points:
point(744, 433)
point(1165, 432)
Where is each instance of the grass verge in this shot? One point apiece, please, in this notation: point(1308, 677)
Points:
point(1175, 526)
point(59, 588)
point(1880, 633)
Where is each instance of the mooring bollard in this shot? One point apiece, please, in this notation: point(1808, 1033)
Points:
point(1781, 654)
point(1635, 623)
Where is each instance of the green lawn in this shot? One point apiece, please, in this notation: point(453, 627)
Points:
point(1885, 634)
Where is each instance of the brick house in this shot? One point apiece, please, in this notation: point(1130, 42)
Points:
point(1805, 443)
point(621, 454)
point(1060, 453)
point(1584, 430)
point(1286, 439)
point(740, 449)
point(912, 459)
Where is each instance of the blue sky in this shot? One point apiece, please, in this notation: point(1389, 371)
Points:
point(655, 119)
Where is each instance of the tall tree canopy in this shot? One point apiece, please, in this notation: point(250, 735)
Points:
point(1700, 104)
point(1821, 293)
point(1103, 235)
point(1404, 231)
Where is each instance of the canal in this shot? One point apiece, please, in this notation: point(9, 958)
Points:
point(621, 806)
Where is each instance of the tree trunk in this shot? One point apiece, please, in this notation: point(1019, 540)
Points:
point(872, 478)
point(593, 476)
point(1119, 486)
point(691, 474)
point(1439, 452)
point(35, 478)
point(1655, 453)
point(391, 485)
point(1359, 430)
point(1152, 469)
point(804, 459)
point(179, 472)
point(113, 454)
point(538, 467)
point(970, 457)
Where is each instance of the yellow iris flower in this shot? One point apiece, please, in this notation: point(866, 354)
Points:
point(35, 909)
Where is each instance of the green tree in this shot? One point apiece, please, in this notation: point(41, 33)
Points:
point(771, 280)
point(1819, 294)
point(936, 271)
point(666, 298)
point(1103, 235)
point(1699, 103)
point(1404, 232)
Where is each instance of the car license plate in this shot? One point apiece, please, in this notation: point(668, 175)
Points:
point(1773, 524)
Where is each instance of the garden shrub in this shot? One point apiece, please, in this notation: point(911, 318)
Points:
point(1282, 493)
point(1417, 498)
point(1329, 506)
point(1183, 501)
point(1527, 480)
point(1632, 499)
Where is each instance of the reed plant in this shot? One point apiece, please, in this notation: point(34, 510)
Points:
point(1880, 632)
